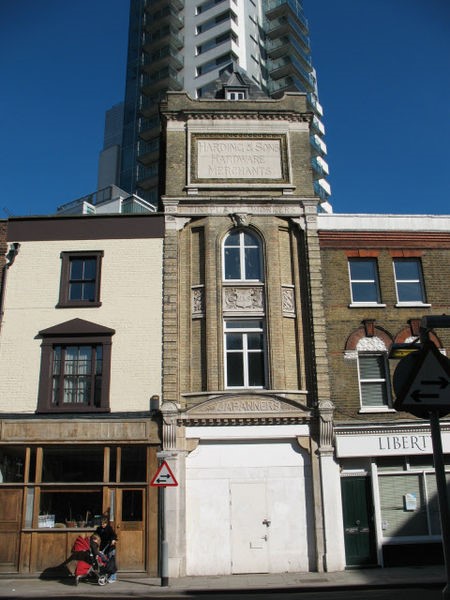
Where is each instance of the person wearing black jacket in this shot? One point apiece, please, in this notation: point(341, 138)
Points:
point(108, 539)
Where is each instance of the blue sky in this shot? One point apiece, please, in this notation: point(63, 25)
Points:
point(383, 69)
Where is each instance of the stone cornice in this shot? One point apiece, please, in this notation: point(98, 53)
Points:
point(385, 429)
point(292, 117)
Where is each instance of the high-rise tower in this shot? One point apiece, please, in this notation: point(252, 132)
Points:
point(186, 45)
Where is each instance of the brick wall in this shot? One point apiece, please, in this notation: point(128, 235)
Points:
point(342, 320)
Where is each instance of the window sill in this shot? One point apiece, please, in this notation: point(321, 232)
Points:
point(78, 304)
point(412, 305)
point(376, 409)
point(366, 305)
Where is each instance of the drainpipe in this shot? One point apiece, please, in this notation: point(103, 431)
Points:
point(10, 257)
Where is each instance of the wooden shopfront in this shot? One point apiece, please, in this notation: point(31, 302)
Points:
point(57, 479)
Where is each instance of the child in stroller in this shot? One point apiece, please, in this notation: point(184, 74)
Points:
point(91, 563)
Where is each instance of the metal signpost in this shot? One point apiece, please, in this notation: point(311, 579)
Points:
point(163, 478)
point(422, 387)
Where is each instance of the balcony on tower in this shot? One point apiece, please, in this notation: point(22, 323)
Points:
point(166, 56)
point(318, 145)
point(164, 79)
point(166, 16)
point(159, 4)
point(289, 67)
point(166, 36)
point(322, 189)
point(320, 167)
point(291, 9)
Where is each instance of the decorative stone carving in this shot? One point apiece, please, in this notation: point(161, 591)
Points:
point(246, 409)
point(198, 301)
point(243, 299)
point(288, 300)
point(372, 344)
point(326, 429)
point(240, 219)
point(169, 411)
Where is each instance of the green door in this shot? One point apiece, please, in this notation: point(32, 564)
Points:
point(358, 522)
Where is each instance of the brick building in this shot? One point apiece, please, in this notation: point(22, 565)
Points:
point(80, 359)
point(381, 275)
point(246, 402)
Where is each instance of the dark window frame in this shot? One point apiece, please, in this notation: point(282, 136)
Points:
point(73, 333)
point(64, 288)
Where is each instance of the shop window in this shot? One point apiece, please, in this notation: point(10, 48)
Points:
point(12, 463)
point(373, 380)
point(75, 368)
point(364, 285)
point(70, 508)
point(133, 464)
point(403, 506)
point(242, 256)
point(80, 279)
point(72, 465)
point(244, 354)
point(409, 281)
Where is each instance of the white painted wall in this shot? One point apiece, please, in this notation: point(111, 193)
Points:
point(210, 471)
point(131, 299)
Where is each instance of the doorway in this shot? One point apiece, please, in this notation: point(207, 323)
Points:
point(249, 528)
point(10, 524)
point(131, 529)
point(359, 533)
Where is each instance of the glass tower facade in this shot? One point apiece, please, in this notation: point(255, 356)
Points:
point(178, 45)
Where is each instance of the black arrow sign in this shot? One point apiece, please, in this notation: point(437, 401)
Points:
point(441, 382)
point(163, 477)
point(418, 397)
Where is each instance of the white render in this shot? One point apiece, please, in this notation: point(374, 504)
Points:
point(235, 484)
point(130, 286)
point(371, 222)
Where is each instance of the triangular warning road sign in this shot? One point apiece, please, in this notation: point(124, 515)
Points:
point(164, 477)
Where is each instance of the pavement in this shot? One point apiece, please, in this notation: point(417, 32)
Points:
point(132, 585)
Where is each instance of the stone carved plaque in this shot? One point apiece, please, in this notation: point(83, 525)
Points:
point(243, 298)
point(246, 158)
point(198, 301)
point(288, 300)
point(244, 404)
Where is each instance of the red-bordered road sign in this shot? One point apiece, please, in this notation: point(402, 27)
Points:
point(164, 477)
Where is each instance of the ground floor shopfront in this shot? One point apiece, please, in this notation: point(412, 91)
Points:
point(389, 494)
point(251, 497)
point(57, 479)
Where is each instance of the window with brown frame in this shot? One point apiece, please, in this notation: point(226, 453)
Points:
point(80, 279)
point(75, 368)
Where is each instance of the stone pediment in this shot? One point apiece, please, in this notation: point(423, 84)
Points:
point(250, 408)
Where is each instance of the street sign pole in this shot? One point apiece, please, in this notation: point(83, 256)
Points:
point(439, 468)
point(422, 386)
point(164, 542)
point(164, 478)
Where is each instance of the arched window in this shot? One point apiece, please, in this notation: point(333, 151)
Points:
point(242, 257)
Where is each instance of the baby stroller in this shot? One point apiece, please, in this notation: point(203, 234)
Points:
point(89, 565)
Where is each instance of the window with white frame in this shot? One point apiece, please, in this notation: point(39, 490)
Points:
point(373, 379)
point(409, 280)
point(242, 260)
point(244, 353)
point(364, 283)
